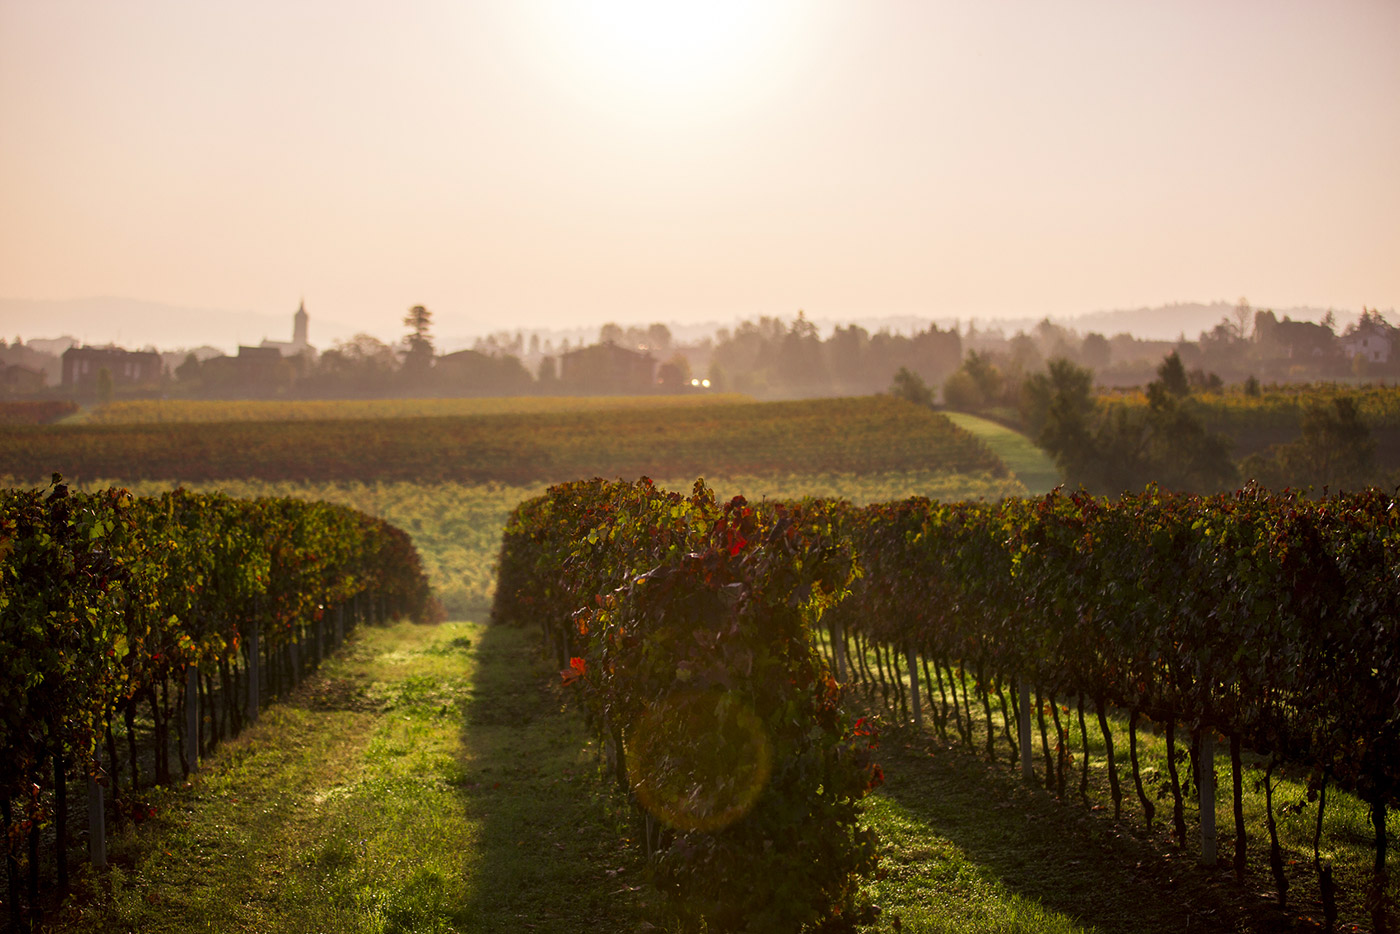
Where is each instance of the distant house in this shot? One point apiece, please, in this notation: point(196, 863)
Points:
point(1302, 341)
point(126, 367)
point(255, 372)
point(297, 345)
point(607, 368)
point(470, 373)
point(16, 380)
point(1371, 339)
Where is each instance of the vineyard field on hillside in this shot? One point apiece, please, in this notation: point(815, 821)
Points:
point(155, 411)
point(1253, 423)
point(873, 434)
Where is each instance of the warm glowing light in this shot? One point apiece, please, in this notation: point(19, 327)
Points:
point(665, 50)
point(699, 760)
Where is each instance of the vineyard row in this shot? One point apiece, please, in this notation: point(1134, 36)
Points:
point(1261, 618)
point(182, 611)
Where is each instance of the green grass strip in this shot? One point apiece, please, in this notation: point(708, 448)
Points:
point(425, 781)
point(1032, 466)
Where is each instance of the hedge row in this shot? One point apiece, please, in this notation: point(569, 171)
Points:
point(684, 627)
point(1264, 617)
point(107, 601)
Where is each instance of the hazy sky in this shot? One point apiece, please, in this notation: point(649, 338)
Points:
point(521, 163)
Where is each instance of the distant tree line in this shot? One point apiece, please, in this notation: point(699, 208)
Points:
point(967, 367)
point(1111, 443)
point(1247, 344)
point(768, 358)
point(1051, 383)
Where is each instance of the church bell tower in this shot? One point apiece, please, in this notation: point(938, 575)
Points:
point(299, 326)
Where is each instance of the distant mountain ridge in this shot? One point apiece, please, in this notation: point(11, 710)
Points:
point(134, 323)
point(1164, 322)
point(1169, 322)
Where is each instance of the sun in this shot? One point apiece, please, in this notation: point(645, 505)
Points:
point(657, 50)
point(668, 41)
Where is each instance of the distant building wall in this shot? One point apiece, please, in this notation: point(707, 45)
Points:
point(607, 368)
point(126, 367)
point(16, 380)
point(1370, 342)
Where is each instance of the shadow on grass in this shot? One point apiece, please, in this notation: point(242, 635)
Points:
point(550, 852)
point(1079, 863)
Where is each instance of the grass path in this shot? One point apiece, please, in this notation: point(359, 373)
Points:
point(427, 781)
point(424, 781)
point(1032, 466)
point(969, 848)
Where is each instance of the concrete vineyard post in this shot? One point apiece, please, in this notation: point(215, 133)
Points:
point(253, 668)
point(97, 817)
point(192, 716)
point(914, 687)
point(1023, 730)
point(1206, 785)
point(293, 644)
point(838, 651)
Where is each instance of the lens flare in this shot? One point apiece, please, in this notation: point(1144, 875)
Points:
point(699, 760)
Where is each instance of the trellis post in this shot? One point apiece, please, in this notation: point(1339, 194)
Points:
point(1023, 731)
point(1206, 784)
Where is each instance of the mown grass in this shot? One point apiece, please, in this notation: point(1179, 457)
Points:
point(968, 848)
point(1032, 466)
point(1074, 855)
point(424, 781)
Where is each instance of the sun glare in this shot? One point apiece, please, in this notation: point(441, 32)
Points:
point(664, 49)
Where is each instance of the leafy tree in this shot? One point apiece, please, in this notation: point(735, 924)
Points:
point(418, 345)
point(1334, 450)
point(362, 365)
point(847, 352)
point(1109, 449)
point(1095, 352)
point(658, 338)
point(1243, 315)
point(1061, 396)
point(1202, 381)
point(907, 385)
point(188, 370)
point(105, 387)
point(1180, 452)
point(977, 383)
point(719, 379)
point(985, 374)
point(1171, 375)
point(960, 391)
point(800, 363)
point(674, 374)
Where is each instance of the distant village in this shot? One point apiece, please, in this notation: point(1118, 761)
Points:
point(767, 358)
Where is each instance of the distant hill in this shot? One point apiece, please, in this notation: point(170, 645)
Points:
point(136, 324)
point(1169, 322)
point(1163, 323)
